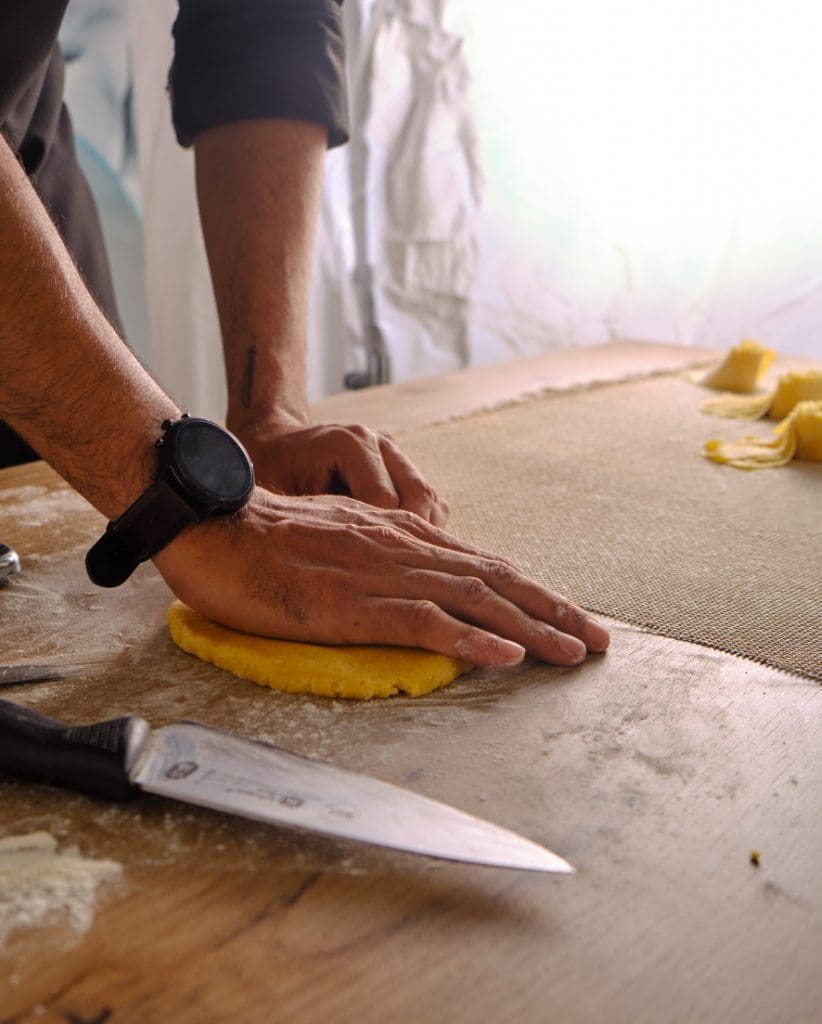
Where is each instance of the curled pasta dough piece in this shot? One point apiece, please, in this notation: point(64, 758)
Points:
point(799, 436)
point(791, 388)
point(738, 407)
point(325, 671)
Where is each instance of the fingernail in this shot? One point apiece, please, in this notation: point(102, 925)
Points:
point(574, 648)
point(484, 649)
point(596, 636)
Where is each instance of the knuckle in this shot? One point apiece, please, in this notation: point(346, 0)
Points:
point(423, 615)
point(500, 571)
point(405, 519)
point(426, 493)
point(472, 588)
point(387, 534)
point(327, 433)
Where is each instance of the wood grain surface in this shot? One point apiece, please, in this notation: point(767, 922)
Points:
point(656, 770)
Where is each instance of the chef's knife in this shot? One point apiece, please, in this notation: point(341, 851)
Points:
point(202, 765)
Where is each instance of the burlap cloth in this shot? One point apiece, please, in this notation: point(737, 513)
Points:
point(603, 495)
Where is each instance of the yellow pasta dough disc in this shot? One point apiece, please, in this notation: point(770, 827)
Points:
point(741, 369)
point(325, 671)
point(798, 436)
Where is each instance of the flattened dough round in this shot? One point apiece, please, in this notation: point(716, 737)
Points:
point(356, 672)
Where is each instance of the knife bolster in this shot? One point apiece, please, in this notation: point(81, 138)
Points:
point(95, 759)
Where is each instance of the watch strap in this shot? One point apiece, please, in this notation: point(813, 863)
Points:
point(153, 521)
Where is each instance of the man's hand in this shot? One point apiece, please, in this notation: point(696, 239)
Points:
point(331, 570)
point(292, 458)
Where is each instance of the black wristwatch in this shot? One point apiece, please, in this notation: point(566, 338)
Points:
point(204, 471)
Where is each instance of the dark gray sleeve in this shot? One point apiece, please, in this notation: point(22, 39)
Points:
point(235, 60)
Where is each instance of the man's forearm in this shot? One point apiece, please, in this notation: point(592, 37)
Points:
point(314, 570)
point(258, 184)
point(68, 385)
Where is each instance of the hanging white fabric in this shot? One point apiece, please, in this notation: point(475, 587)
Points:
point(523, 177)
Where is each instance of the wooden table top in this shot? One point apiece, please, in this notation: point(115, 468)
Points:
point(656, 770)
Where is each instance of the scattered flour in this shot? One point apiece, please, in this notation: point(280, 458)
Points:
point(37, 506)
point(21, 495)
point(39, 885)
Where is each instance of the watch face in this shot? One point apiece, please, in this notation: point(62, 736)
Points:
point(211, 461)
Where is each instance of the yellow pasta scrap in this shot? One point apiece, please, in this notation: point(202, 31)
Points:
point(791, 388)
point(738, 407)
point(807, 425)
point(799, 436)
point(741, 369)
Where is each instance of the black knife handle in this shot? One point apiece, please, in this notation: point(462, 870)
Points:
point(94, 759)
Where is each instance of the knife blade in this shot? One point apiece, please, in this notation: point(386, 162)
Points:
point(201, 765)
point(13, 675)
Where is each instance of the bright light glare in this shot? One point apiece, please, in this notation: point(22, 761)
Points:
point(684, 136)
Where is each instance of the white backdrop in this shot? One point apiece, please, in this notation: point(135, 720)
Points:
point(527, 176)
point(654, 167)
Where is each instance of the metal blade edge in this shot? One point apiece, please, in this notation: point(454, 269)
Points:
point(201, 765)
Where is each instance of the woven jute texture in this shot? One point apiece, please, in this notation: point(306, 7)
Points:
point(603, 494)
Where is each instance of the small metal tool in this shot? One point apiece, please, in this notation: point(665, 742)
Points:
point(14, 675)
point(9, 562)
